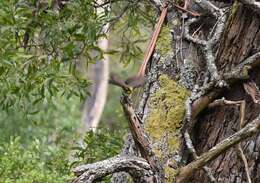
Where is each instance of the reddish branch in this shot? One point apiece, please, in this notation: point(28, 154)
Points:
point(152, 43)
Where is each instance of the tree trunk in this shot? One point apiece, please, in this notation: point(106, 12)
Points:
point(99, 75)
point(196, 61)
point(240, 40)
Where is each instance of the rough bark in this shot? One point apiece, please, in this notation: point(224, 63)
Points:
point(241, 39)
point(210, 57)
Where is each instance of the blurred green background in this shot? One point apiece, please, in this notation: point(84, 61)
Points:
point(42, 94)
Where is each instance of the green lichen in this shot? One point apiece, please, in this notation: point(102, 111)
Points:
point(233, 12)
point(170, 173)
point(164, 122)
point(167, 108)
point(234, 9)
point(164, 42)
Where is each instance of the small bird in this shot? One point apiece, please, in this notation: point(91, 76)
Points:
point(115, 80)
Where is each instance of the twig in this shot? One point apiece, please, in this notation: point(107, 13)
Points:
point(251, 89)
point(207, 45)
point(207, 5)
point(243, 157)
point(185, 10)
point(188, 37)
point(241, 71)
point(197, 30)
point(241, 125)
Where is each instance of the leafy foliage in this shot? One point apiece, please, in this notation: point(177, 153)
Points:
point(98, 146)
point(31, 164)
point(56, 120)
point(27, 159)
point(131, 21)
point(41, 47)
point(40, 149)
point(45, 50)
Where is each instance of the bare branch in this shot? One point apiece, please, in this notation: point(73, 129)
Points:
point(141, 139)
point(251, 89)
point(188, 37)
point(207, 45)
point(185, 10)
point(243, 157)
point(242, 105)
point(138, 168)
point(248, 131)
point(203, 98)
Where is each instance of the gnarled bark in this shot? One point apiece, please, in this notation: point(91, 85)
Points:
point(211, 56)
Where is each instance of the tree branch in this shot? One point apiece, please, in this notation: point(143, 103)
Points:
point(141, 139)
point(138, 168)
point(249, 130)
point(207, 95)
point(207, 45)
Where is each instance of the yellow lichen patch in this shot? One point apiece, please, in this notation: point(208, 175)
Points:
point(167, 109)
point(164, 41)
point(170, 173)
point(234, 9)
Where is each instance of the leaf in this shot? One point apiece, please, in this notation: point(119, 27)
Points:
point(33, 112)
point(111, 52)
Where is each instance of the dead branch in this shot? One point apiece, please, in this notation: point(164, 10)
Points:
point(138, 168)
point(207, 49)
point(248, 131)
point(207, 94)
point(241, 71)
point(185, 10)
point(141, 139)
point(207, 5)
point(207, 45)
